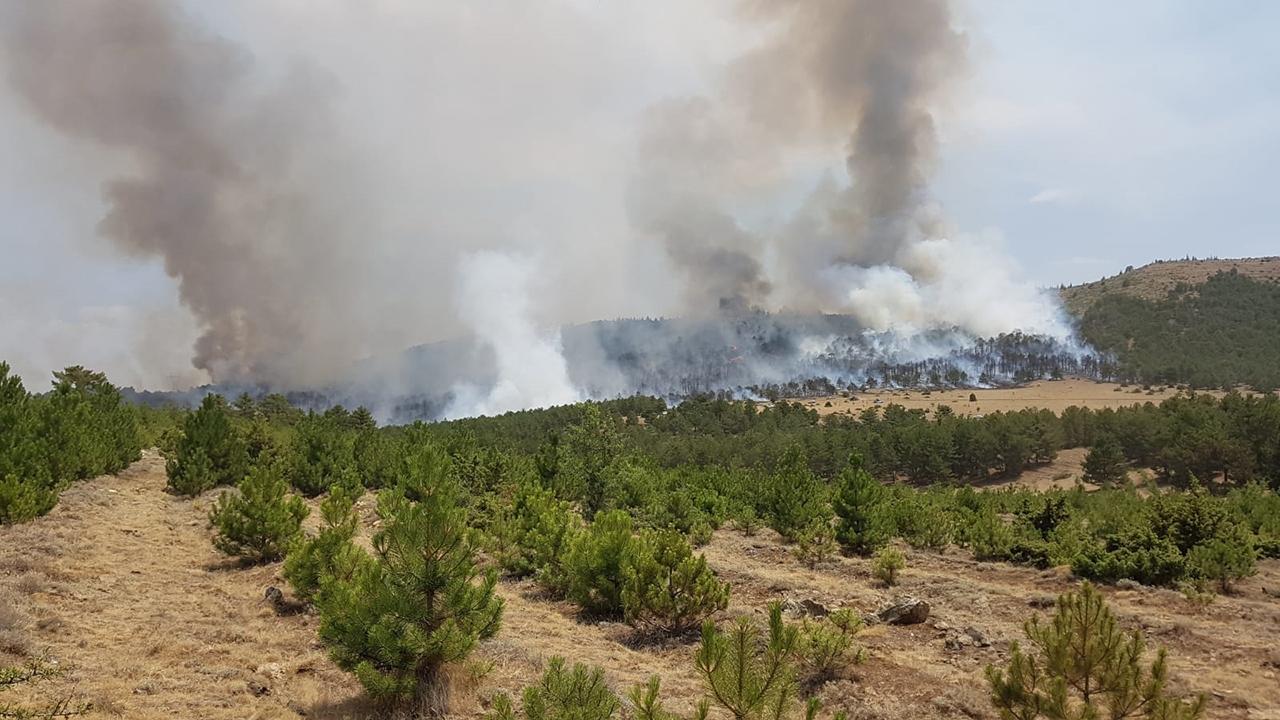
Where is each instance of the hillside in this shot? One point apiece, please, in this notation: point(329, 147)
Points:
point(1224, 331)
point(121, 585)
point(1154, 281)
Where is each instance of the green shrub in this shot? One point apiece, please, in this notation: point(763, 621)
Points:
point(1105, 463)
point(210, 452)
point(990, 537)
point(322, 455)
point(750, 675)
point(861, 505)
point(1224, 560)
point(418, 604)
point(1082, 666)
point(260, 520)
point(826, 646)
point(666, 587)
point(816, 544)
point(796, 499)
point(314, 561)
point(1189, 518)
point(577, 694)
point(1137, 554)
point(888, 563)
point(595, 561)
point(534, 533)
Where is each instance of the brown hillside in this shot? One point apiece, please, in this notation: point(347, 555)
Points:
point(1155, 280)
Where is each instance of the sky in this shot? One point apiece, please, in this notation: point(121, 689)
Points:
point(1083, 137)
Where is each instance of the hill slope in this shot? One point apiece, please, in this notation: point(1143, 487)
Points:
point(1222, 331)
point(1154, 281)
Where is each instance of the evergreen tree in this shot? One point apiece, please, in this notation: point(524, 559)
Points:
point(666, 586)
point(1224, 559)
point(861, 506)
point(888, 563)
point(323, 455)
point(260, 520)
point(534, 535)
point(750, 676)
point(1083, 666)
point(595, 561)
point(1105, 464)
point(210, 452)
point(418, 604)
point(577, 694)
point(796, 498)
point(315, 561)
point(584, 453)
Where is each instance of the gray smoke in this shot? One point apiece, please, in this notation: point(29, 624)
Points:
point(869, 71)
point(219, 183)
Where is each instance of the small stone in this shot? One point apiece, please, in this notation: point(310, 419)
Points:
point(1127, 584)
point(905, 611)
point(979, 638)
point(1042, 601)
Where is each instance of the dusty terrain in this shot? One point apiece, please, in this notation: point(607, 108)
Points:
point(1055, 395)
point(120, 585)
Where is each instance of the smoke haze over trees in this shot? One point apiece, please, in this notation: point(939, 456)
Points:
point(320, 209)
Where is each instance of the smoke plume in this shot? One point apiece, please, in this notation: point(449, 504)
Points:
point(494, 300)
point(219, 184)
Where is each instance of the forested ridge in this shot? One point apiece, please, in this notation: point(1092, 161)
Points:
point(1224, 332)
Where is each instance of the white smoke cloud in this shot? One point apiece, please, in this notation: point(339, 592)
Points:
point(494, 299)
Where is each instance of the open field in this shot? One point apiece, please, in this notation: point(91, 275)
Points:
point(121, 585)
point(1055, 395)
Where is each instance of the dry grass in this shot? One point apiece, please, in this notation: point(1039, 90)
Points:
point(1055, 395)
point(153, 624)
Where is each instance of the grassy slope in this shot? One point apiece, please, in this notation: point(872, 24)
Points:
point(1154, 280)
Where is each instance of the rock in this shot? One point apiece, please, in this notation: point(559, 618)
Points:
point(814, 608)
point(271, 670)
point(956, 643)
point(1273, 658)
point(278, 602)
point(1042, 601)
point(1127, 584)
point(905, 611)
point(978, 637)
point(258, 686)
point(297, 708)
point(939, 625)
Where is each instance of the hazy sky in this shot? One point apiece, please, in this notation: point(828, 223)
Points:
point(1086, 135)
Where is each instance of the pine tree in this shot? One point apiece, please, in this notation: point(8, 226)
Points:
point(750, 676)
point(330, 554)
point(259, 520)
point(534, 534)
point(1224, 559)
point(577, 694)
point(1105, 465)
point(888, 563)
point(418, 604)
point(323, 455)
point(1084, 666)
point(796, 498)
point(665, 586)
point(210, 452)
point(861, 506)
point(595, 562)
point(816, 544)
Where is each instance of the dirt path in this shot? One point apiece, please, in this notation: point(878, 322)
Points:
point(121, 584)
point(129, 593)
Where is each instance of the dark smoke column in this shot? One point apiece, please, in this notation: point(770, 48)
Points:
point(213, 185)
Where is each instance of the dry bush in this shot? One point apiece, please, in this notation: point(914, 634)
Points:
point(14, 623)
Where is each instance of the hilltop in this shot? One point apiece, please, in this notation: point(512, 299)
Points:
point(1154, 281)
